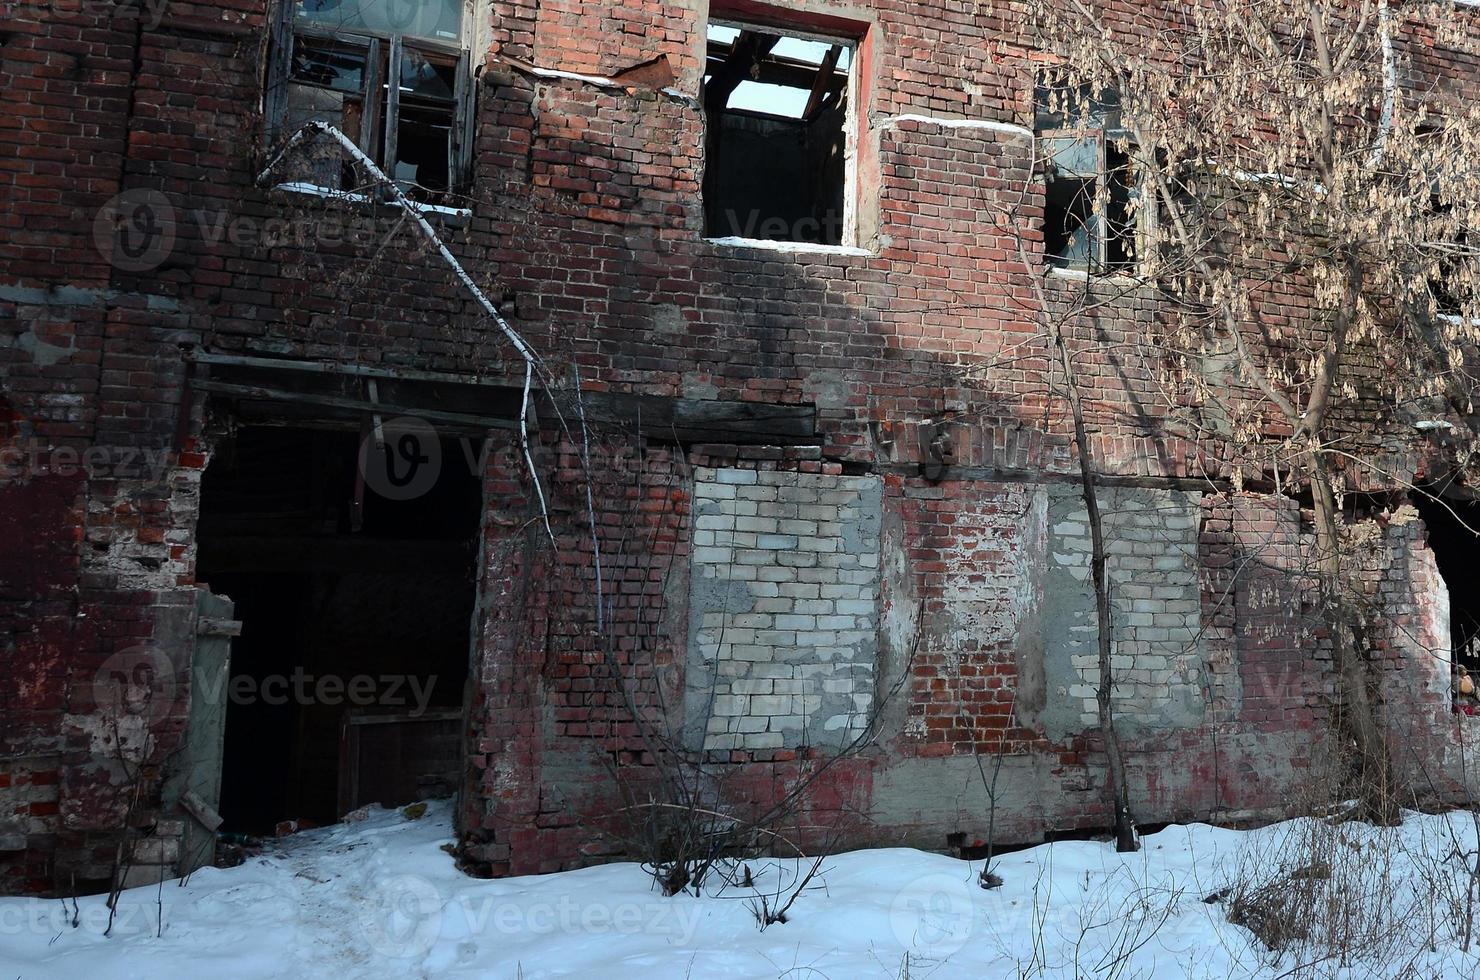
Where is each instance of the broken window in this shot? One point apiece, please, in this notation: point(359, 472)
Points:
point(393, 77)
point(1447, 236)
point(777, 150)
point(1457, 254)
point(1092, 201)
point(1458, 260)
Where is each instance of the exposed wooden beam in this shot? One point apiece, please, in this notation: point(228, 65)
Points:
point(792, 74)
point(267, 393)
point(462, 404)
point(820, 86)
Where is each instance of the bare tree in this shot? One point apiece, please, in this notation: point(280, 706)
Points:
point(1302, 206)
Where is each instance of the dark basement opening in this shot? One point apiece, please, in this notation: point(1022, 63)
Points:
point(347, 680)
point(1457, 553)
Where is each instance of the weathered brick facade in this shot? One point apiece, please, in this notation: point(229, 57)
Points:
point(955, 578)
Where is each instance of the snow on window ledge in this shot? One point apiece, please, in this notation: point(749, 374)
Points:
point(794, 248)
point(451, 216)
point(1114, 279)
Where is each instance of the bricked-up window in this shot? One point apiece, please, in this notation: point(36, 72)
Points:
point(1090, 205)
point(391, 74)
point(777, 156)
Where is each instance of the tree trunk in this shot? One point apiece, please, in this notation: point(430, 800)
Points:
point(1125, 833)
point(1358, 710)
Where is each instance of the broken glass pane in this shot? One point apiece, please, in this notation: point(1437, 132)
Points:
point(424, 79)
point(439, 19)
point(1121, 210)
point(328, 65)
point(324, 167)
point(1056, 106)
point(424, 149)
point(1069, 157)
point(1070, 225)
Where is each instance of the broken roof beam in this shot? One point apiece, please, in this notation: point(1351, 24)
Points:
point(820, 86)
point(742, 63)
point(794, 74)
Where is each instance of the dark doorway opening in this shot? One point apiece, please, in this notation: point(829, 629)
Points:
point(1457, 553)
point(347, 680)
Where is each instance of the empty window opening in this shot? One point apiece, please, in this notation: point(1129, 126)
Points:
point(1092, 204)
point(777, 148)
point(1458, 265)
point(393, 81)
point(1457, 552)
point(346, 683)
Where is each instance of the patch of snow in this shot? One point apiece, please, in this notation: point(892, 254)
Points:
point(353, 197)
point(380, 898)
point(989, 124)
point(792, 247)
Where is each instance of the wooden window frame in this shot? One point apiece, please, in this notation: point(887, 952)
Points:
point(286, 34)
point(1134, 230)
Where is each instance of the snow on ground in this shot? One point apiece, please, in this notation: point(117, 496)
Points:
point(381, 898)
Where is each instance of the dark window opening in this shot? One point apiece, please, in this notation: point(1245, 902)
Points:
point(336, 63)
point(1457, 552)
point(1091, 213)
point(1457, 261)
point(776, 149)
point(346, 683)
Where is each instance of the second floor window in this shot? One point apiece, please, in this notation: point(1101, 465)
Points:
point(1090, 212)
point(778, 143)
point(390, 74)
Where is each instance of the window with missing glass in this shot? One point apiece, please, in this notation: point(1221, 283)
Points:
point(392, 75)
point(1092, 205)
point(779, 111)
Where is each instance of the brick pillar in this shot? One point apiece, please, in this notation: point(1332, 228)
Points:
point(501, 783)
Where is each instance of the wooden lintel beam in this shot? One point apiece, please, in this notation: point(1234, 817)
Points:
point(265, 393)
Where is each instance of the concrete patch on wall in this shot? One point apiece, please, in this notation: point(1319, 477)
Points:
point(1157, 655)
point(783, 616)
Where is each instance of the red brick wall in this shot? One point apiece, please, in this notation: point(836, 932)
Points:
point(586, 227)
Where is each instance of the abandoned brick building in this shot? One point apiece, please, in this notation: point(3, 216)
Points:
point(766, 318)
